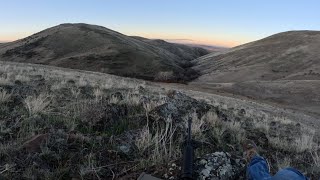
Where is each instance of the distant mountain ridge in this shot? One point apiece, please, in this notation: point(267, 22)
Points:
point(96, 48)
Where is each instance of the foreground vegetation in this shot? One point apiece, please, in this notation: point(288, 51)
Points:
point(57, 123)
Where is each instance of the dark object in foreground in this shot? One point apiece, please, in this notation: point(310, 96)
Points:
point(145, 176)
point(187, 166)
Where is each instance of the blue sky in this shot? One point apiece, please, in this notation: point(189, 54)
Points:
point(226, 23)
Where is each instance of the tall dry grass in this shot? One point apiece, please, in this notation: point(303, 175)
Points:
point(37, 104)
point(4, 96)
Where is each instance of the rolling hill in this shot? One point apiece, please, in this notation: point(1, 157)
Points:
point(282, 69)
point(288, 55)
point(95, 48)
point(185, 52)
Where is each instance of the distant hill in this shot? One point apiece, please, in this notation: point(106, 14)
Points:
point(185, 52)
point(282, 69)
point(288, 55)
point(210, 48)
point(96, 48)
point(191, 43)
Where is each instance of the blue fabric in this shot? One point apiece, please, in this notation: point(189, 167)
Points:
point(258, 170)
point(289, 174)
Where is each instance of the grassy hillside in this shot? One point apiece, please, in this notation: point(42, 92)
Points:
point(288, 55)
point(282, 69)
point(64, 123)
point(95, 48)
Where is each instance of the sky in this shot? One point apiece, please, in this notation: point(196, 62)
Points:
point(213, 22)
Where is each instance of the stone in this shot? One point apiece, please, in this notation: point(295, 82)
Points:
point(219, 165)
point(203, 162)
point(34, 144)
point(125, 149)
point(178, 107)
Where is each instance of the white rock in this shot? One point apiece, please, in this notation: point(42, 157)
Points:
point(205, 172)
point(203, 162)
point(166, 176)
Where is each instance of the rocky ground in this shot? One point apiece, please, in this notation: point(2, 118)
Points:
point(65, 124)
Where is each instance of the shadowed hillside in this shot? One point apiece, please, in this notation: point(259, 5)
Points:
point(186, 53)
point(95, 48)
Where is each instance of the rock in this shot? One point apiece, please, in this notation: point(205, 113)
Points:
point(219, 165)
point(166, 176)
point(101, 117)
point(178, 107)
point(34, 144)
point(203, 162)
point(171, 93)
point(125, 149)
point(205, 172)
point(72, 137)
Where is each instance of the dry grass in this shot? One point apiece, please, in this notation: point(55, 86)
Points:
point(23, 71)
point(98, 94)
point(91, 167)
point(132, 99)
point(37, 104)
point(5, 81)
point(316, 157)
point(75, 92)
point(160, 145)
point(4, 96)
point(211, 118)
point(22, 78)
point(197, 128)
point(82, 82)
point(58, 85)
point(302, 143)
point(143, 140)
point(114, 100)
point(284, 163)
point(155, 145)
point(262, 125)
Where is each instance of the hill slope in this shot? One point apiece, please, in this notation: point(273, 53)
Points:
point(288, 55)
point(187, 53)
point(95, 48)
point(73, 124)
point(282, 69)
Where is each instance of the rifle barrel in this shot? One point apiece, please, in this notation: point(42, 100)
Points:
point(188, 155)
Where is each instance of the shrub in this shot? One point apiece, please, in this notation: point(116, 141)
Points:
point(165, 76)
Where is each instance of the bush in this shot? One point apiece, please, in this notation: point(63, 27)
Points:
point(165, 76)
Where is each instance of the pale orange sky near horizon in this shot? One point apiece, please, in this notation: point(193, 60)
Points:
point(224, 23)
point(203, 39)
